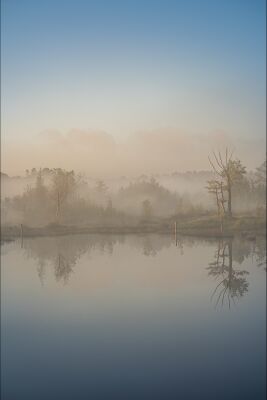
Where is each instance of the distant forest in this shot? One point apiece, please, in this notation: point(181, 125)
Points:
point(55, 196)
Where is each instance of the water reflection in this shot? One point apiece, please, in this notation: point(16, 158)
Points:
point(259, 251)
point(148, 248)
point(233, 283)
point(63, 253)
point(134, 310)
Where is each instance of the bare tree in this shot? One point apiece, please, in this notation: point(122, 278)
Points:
point(229, 171)
point(216, 188)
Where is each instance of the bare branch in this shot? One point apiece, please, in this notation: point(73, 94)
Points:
point(217, 172)
point(220, 294)
point(216, 289)
point(221, 166)
point(231, 154)
point(223, 296)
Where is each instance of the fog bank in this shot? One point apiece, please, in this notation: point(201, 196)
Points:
point(99, 155)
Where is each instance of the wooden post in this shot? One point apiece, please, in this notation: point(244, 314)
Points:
point(21, 235)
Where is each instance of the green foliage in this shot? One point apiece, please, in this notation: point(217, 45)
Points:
point(234, 170)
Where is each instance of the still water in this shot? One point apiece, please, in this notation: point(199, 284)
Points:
point(133, 317)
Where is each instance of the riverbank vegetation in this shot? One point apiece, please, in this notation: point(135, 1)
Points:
point(56, 201)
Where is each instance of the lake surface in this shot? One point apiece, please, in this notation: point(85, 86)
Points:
point(133, 317)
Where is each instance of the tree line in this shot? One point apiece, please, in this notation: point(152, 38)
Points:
point(61, 196)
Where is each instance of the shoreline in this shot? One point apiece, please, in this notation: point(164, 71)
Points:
point(246, 227)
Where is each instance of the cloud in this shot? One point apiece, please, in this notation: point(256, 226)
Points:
point(98, 154)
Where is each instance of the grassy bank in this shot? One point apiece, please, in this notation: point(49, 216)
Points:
point(211, 226)
point(10, 232)
point(247, 226)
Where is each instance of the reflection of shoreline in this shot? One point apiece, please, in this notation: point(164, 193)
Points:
point(63, 252)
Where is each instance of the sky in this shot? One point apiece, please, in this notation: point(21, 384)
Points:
point(125, 70)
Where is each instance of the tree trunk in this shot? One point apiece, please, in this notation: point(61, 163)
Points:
point(222, 195)
point(229, 190)
point(217, 201)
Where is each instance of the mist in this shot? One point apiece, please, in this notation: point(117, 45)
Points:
point(43, 196)
point(99, 155)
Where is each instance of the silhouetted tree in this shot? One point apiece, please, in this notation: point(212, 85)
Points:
point(40, 188)
point(217, 188)
point(230, 171)
point(63, 185)
point(109, 208)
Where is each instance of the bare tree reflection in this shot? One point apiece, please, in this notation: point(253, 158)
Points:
point(233, 284)
point(259, 252)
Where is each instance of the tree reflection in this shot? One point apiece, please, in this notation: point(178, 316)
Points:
point(41, 270)
point(148, 247)
point(63, 268)
point(179, 243)
point(233, 283)
point(63, 253)
point(259, 252)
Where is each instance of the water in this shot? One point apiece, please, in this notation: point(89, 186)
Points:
point(133, 317)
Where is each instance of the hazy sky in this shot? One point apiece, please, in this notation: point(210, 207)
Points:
point(124, 67)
